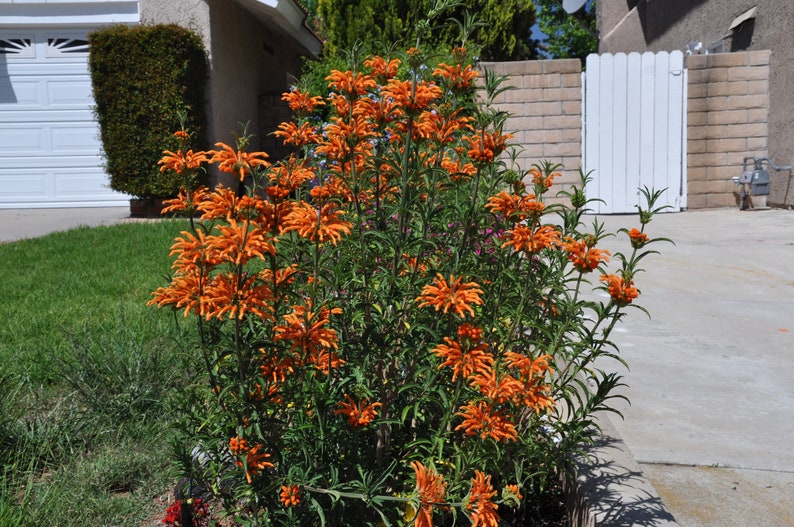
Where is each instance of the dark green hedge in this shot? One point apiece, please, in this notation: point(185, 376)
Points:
point(143, 77)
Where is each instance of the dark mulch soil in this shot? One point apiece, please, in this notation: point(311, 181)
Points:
point(546, 510)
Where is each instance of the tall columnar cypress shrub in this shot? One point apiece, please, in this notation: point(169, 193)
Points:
point(143, 78)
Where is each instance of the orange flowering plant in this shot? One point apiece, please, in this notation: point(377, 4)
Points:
point(393, 323)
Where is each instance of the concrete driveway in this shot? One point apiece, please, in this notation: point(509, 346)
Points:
point(711, 378)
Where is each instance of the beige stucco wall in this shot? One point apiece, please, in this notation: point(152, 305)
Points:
point(671, 24)
point(193, 14)
point(248, 60)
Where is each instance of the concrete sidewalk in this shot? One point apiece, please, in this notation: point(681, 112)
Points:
point(711, 378)
point(19, 224)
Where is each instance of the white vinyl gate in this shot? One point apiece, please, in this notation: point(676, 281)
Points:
point(634, 129)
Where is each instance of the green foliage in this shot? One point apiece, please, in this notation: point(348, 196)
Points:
point(503, 30)
point(143, 78)
point(568, 36)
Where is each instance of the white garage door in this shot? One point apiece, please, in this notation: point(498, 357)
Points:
point(49, 141)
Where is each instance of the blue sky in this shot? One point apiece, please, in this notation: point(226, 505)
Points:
point(537, 34)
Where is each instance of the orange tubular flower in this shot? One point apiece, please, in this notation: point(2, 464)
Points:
point(324, 361)
point(622, 293)
point(485, 147)
point(183, 292)
point(254, 462)
point(302, 103)
point(483, 509)
point(219, 204)
point(238, 445)
point(466, 364)
point(224, 295)
point(513, 490)
point(240, 242)
point(181, 162)
point(534, 393)
point(185, 201)
point(292, 134)
point(349, 83)
point(480, 419)
point(542, 183)
point(467, 331)
point(382, 69)
point(453, 296)
point(638, 238)
point(239, 163)
point(435, 126)
point(458, 172)
point(584, 257)
point(347, 141)
point(307, 329)
point(319, 226)
point(333, 188)
point(274, 370)
point(523, 238)
point(191, 253)
point(353, 132)
point(288, 177)
point(458, 78)
point(515, 207)
point(412, 98)
point(431, 488)
point(497, 388)
point(281, 278)
point(358, 414)
point(503, 203)
point(290, 495)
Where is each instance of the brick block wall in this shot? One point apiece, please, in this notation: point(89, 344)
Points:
point(728, 116)
point(545, 107)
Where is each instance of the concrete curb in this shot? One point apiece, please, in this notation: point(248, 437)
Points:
point(610, 489)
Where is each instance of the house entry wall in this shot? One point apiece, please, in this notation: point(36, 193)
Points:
point(729, 95)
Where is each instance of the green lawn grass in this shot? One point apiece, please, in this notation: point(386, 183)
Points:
point(86, 375)
point(55, 286)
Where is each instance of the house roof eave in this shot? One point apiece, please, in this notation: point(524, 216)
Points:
point(290, 17)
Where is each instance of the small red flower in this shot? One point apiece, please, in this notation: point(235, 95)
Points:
point(196, 510)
